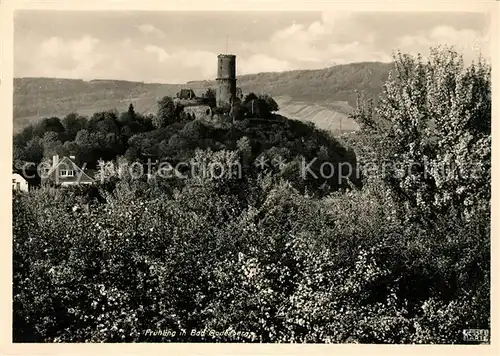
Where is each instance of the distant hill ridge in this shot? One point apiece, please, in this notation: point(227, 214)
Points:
point(331, 88)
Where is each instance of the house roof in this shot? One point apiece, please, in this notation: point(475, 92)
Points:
point(91, 172)
point(14, 174)
point(186, 93)
point(65, 163)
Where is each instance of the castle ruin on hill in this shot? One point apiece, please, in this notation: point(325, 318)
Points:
point(226, 90)
point(226, 101)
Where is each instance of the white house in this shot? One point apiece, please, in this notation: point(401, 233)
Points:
point(65, 171)
point(19, 183)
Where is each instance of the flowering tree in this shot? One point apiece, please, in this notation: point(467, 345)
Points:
point(432, 125)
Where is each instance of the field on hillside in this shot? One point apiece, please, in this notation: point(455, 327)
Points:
point(331, 116)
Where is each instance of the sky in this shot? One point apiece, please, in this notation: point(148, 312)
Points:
point(176, 47)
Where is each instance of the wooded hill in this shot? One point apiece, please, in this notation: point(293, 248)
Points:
point(333, 88)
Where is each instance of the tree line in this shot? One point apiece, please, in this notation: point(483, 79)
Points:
point(109, 134)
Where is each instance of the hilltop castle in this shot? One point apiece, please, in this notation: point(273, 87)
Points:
point(226, 90)
point(224, 102)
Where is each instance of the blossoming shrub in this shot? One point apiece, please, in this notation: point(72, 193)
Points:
point(291, 268)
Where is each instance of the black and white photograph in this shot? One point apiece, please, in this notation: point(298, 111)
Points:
point(317, 176)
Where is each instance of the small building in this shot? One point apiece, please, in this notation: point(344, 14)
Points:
point(19, 183)
point(64, 171)
point(26, 174)
point(186, 94)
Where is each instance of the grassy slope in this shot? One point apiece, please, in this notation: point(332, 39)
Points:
point(324, 96)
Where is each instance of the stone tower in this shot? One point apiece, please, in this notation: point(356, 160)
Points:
point(226, 79)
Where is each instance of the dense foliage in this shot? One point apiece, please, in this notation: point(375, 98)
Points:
point(433, 127)
point(173, 136)
point(265, 256)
